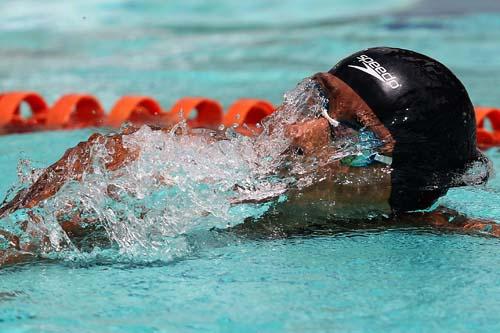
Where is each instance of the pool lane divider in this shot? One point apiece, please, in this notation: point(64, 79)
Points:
point(487, 138)
point(75, 111)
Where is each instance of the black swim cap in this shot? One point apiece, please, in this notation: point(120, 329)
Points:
point(428, 113)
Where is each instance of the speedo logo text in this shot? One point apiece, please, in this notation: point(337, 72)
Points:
point(376, 70)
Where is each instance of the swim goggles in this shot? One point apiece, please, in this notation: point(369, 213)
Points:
point(367, 140)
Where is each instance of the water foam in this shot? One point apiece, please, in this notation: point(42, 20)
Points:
point(179, 183)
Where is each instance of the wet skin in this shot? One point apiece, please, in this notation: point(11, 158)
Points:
point(343, 196)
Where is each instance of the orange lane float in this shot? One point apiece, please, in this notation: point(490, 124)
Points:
point(246, 113)
point(77, 110)
point(486, 138)
point(74, 111)
point(136, 109)
point(10, 110)
point(198, 112)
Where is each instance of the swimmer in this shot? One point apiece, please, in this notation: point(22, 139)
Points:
point(425, 121)
point(411, 113)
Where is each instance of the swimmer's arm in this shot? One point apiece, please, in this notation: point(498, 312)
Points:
point(13, 254)
point(279, 223)
point(10, 257)
point(450, 220)
point(74, 163)
point(446, 219)
point(79, 160)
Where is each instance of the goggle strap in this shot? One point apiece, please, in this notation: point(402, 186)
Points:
point(375, 157)
point(332, 121)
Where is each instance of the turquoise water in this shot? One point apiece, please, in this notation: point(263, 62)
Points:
point(390, 280)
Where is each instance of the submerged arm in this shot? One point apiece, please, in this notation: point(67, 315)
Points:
point(449, 220)
point(336, 206)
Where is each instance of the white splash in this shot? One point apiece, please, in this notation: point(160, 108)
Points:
point(179, 183)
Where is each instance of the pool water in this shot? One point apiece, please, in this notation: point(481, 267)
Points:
point(397, 280)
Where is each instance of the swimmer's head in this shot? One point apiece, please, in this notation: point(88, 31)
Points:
point(421, 112)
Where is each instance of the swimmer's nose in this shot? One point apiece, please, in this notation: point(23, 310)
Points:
point(294, 131)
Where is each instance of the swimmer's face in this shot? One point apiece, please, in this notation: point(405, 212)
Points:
point(356, 188)
point(314, 134)
point(345, 106)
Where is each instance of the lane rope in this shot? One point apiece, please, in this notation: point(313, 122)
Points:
point(79, 110)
